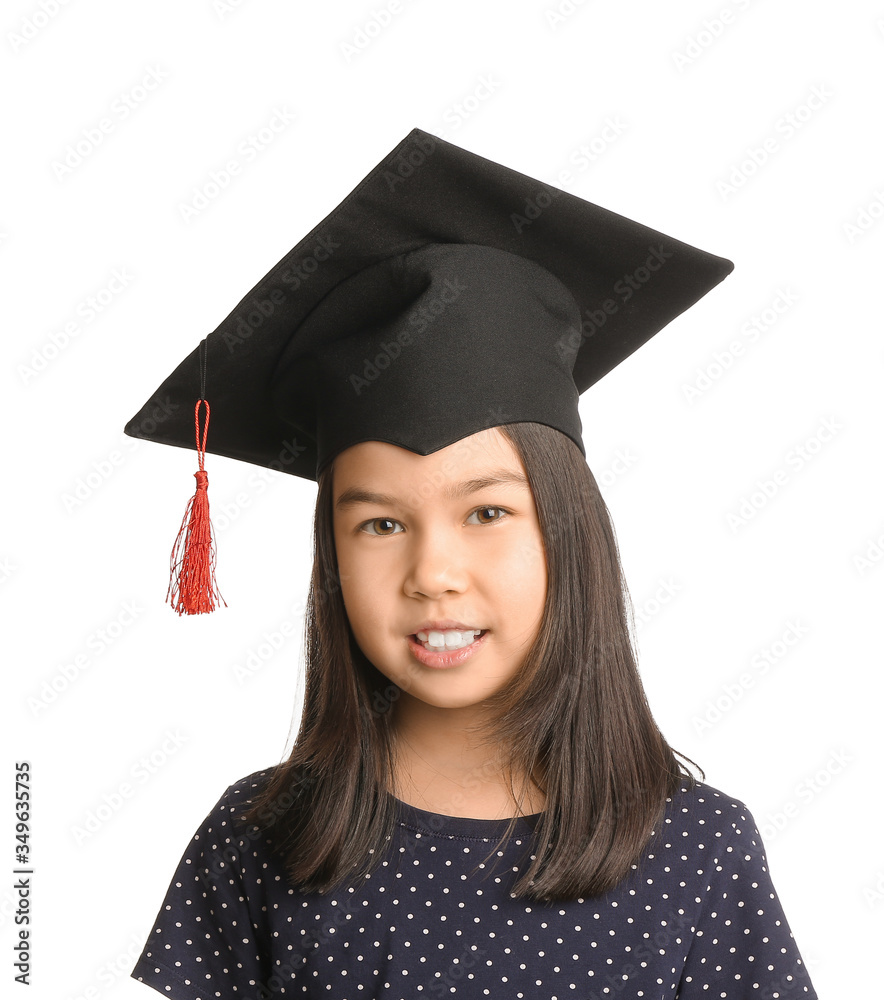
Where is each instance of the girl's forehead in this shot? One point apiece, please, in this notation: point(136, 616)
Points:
point(487, 453)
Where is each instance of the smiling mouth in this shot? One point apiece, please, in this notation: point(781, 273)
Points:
point(447, 642)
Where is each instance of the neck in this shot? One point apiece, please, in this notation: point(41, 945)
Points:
point(443, 765)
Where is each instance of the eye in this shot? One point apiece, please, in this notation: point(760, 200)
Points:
point(390, 521)
point(484, 510)
point(379, 520)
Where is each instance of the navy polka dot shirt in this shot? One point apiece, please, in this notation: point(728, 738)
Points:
point(698, 917)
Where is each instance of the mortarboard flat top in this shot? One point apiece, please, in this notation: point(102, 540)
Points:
point(444, 295)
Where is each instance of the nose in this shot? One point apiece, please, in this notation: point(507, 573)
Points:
point(437, 564)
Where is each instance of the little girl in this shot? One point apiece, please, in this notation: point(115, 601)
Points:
point(478, 802)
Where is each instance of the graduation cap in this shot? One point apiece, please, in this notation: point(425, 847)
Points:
point(444, 295)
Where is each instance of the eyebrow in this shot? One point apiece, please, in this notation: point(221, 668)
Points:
point(456, 491)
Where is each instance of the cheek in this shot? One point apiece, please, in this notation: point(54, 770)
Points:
point(521, 573)
point(363, 592)
point(525, 557)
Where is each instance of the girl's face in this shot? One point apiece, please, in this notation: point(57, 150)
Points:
point(424, 538)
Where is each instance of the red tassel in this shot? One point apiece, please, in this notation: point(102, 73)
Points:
point(192, 588)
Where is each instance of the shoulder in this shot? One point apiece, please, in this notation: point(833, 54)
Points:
point(734, 915)
point(698, 810)
point(226, 841)
point(237, 799)
point(246, 790)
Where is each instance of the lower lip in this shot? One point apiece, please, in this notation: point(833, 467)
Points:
point(442, 660)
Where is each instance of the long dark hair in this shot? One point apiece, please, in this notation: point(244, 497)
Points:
point(575, 717)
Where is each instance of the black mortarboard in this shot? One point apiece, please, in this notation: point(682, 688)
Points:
point(444, 295)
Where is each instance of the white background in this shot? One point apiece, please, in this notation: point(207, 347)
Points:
point(671, 100)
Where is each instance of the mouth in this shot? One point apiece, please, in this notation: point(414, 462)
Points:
point(439, 641)
point(448, 656)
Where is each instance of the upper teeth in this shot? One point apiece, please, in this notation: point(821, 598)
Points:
point(450, 639)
